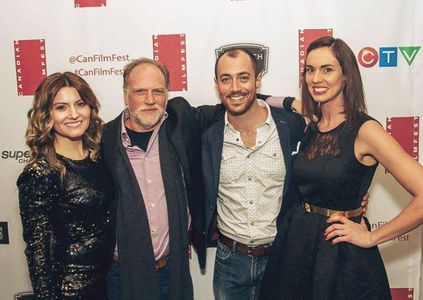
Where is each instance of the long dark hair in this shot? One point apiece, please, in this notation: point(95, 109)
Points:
point(353, 90)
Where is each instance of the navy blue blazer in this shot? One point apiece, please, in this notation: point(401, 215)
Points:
point(290, 127)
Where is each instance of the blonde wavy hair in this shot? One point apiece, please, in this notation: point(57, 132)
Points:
point(40, 134)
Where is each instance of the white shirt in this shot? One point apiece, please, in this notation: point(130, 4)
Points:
point(251, 184)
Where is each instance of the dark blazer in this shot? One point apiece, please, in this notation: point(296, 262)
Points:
point(180, 159)
point(290, 128)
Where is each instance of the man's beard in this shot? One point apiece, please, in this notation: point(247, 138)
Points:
point(147, 122)
point(241, 109)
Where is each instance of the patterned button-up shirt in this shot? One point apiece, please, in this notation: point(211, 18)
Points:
point(251, 184)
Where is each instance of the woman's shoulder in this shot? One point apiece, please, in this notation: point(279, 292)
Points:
point(369, 129)
point(37, 171)
point(364, 117)
point(362, 122)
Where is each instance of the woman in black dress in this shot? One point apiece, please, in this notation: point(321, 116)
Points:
point(325, 249)
point(65, 192)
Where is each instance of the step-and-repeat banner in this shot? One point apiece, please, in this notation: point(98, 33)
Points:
point(96, 38)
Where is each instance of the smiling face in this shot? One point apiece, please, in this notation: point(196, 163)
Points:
point(71, 115)
point(236, 83)
point(324, 77)
point(145, 97)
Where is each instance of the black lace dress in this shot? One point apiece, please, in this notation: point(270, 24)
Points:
point(66, 227)
point(306, 266)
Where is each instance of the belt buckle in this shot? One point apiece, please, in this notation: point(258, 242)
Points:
point(161, 263)
point(331, 213)
point(251, 249)
point(262, 248)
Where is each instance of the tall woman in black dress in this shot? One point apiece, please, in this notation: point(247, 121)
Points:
point(336, 257)
point(64, 192)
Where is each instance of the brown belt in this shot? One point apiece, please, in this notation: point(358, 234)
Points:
point(330, 212)
point(160, 263)
point(260, 250)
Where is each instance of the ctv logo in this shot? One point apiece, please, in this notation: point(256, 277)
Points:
point(386, 56)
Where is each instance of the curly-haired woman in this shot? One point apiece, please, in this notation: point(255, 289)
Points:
point(65, 192)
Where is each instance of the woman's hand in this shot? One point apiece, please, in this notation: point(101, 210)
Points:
point(344, 230)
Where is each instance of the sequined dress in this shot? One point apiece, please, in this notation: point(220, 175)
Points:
point(305, 265)
point(66, 228)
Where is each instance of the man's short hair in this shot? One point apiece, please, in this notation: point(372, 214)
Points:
point(139, 61)
point(234, 52)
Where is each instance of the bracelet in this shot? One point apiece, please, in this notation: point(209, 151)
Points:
point(287, 103)
point(262, 97)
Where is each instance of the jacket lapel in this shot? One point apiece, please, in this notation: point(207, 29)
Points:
point(284, 138)
point(216, 148)
point(124, 169)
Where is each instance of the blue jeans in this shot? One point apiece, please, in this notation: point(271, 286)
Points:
point(113, 281)
point(237, 276)
point(114, 288)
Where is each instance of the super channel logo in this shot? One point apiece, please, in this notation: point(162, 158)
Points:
point(21, 157)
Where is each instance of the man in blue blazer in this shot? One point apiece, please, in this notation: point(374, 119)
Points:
point(246, 157)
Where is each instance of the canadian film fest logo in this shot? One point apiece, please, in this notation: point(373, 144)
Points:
point(170, 49)
point(305, 37)
point(90, 3)
point(260, 52)
point(406, 131)
point(30, 65)
point(402, 293)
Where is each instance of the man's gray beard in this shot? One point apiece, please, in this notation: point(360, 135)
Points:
point(149, 125)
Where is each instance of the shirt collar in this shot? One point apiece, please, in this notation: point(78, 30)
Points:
point(262, 104)
point(124, 134)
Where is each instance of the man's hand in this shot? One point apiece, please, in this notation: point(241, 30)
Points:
point(278, 102)
point(297, 106)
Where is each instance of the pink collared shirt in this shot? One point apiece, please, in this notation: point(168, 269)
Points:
point(146, 166)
